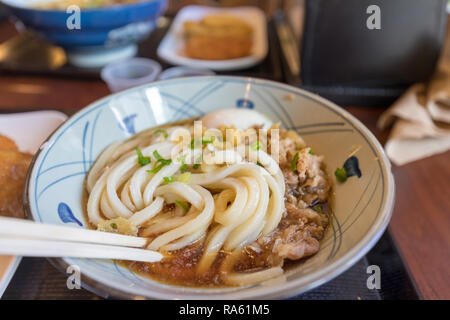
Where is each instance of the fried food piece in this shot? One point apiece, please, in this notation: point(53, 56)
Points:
point(218, 26)
point(218, 37)
point(13, 169)
point(118, 225)
point(7, 144)
point(215, 48)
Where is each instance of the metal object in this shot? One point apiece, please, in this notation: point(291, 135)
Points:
point(30, 51)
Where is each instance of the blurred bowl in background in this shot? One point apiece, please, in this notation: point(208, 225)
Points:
point(129, 73)
point(105, 34)
point(179, 72)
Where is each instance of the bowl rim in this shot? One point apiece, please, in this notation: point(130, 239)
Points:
point(114, 7)
point(285, 289)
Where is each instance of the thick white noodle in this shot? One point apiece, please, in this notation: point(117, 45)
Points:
point(138, 180)
point(231, 214)
point(245, 278)
point(199, 222)
point(276, 209)
point(250, 230)
point(181, 192)
point(121, 171)
point(125, 197)
point(184, 241)
point(157, 179)
point(94, 199)
point(103, 159)
point(165, 225)
point(249, 278)
point(234, 214)
point(221, 157)
point(107, 211)
point(232, 201)
point(148, 212)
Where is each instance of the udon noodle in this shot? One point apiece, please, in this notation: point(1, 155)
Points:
point(218, 193)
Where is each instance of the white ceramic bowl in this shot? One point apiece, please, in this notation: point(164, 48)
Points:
point(362, 206)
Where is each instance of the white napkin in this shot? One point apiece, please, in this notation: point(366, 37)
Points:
point(421, 121)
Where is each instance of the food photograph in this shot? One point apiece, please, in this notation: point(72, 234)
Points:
point(231, 158)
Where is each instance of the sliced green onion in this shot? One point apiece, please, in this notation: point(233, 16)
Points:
point(256, 145)
point(162, 131)
point(183, 168)
point(161, 159)
point(182, 159)
point(113, 225)
point(182, 205)
point(311, 151)
point(193, 143)
point(168, 180)
point(156, 169)
point(157, 155)
point(141, 159)
point(184, 177)
point(162, 163)
point(294, 162)
point(341, 174)
point(318, 208)
point(207, 140)
point(204, 141)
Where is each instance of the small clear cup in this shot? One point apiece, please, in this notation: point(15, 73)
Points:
point(129, 73)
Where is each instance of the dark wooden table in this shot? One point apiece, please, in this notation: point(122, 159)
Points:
point(421, 218)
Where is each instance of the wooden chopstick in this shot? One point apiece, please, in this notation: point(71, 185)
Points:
point(34, 230)
point(49, 248)
point(28, 238)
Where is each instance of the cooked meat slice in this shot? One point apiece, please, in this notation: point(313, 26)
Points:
point(290, 178)
point(296, 213)
point(286, 147)
point(296, 243)
point(308, 165)
point(13, 169)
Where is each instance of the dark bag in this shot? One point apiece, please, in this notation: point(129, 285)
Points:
point(345, 58)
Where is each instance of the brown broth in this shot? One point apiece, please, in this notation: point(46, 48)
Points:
point(179, 267)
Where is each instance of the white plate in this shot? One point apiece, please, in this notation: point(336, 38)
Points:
point(171, 47)
point(28, 130)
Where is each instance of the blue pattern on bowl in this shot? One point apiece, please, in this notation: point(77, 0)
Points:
point(66, 215)
point(245, 103)
point(351, 166)
point(108, 26)
point(127, 123)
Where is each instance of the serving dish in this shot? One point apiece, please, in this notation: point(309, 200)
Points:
point(40, 124)
point(362, 206)
point(171, 47)
point(104, 34)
